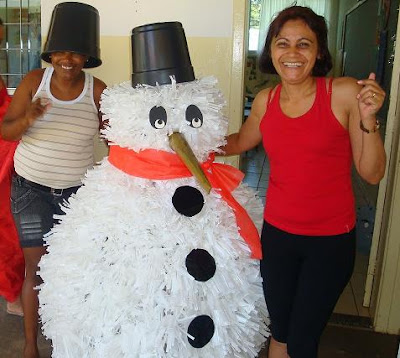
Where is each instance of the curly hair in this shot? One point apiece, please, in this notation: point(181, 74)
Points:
point(315, 22)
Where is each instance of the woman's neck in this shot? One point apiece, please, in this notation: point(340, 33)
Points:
point(67, 89)
point(68, 83)
point(298, 91)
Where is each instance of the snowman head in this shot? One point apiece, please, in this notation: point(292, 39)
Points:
point(143, 117)
point(164, 97)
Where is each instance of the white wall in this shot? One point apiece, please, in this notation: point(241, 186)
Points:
point(200, 18)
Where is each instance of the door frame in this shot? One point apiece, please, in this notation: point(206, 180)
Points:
point(386, 185)
point(386, 283)
point(236, 98)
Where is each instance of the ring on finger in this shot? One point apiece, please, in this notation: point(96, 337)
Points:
point(373, 94)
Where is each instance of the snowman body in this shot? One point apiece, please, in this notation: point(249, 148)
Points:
point(143, 267)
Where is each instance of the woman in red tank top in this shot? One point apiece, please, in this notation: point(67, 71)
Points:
point(313, 129)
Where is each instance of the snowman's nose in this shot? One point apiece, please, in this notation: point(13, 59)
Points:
point(181, 147)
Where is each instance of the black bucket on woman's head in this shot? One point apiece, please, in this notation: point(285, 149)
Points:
point(74, 27)
point(159, 51)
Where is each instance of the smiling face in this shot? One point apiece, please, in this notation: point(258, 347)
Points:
point(68, 65)
point(294, 51)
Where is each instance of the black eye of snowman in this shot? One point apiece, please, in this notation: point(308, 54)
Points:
point(158, 117)
point(194, 117)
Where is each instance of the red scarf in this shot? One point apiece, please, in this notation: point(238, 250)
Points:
point(161, 165)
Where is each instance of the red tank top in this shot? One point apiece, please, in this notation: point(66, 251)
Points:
point(310, 190)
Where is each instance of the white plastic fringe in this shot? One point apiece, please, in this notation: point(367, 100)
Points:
point(127, 110)
point(115, 281)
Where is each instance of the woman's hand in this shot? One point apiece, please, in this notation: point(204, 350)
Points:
point(14, 127)
point(361, 100)
point(36, 109)
point(370, 98)
point(22, 112)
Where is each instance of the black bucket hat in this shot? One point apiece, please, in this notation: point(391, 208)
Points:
point(74, 27)
point(159, 51)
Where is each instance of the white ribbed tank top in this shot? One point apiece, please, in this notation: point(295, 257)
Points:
point(57, 149)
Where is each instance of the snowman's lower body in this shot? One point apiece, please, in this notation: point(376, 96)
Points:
point(127, 275)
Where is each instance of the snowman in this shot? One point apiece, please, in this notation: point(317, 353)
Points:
point(158, 253)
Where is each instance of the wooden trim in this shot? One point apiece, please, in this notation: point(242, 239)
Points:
point(236, 93)
point(387, 310)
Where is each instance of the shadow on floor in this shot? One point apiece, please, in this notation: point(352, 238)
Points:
point(350, 342)
point(347, 342)
point(12, 336)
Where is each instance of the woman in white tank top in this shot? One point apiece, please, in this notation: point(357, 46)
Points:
point(55, 115)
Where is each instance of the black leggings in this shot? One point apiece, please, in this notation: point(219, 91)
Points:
point(303, 277)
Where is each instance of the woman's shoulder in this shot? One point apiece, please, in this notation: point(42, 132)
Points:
point(36, 73)
point(261, 101)
point(31, 81)
point(345, 84)
point(98, 88)
point(264, 92)
point(344, 94)
point(345, 88)
point(99, 83)
point(34, 77)
point(263, 96)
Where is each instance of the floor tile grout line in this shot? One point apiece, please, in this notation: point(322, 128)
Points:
point(354, 298)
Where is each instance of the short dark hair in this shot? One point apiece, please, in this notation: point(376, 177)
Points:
point(315, 22)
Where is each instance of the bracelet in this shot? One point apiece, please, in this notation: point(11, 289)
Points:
point(373, 130)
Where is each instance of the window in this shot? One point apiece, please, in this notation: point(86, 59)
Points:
point(20, 50)
point(254, 27)
point(262, 12)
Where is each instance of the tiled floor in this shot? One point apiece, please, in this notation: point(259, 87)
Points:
point(12, 336)
point(255, 164)
point(337, 341)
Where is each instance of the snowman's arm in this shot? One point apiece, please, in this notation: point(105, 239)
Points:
point(249, 134)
